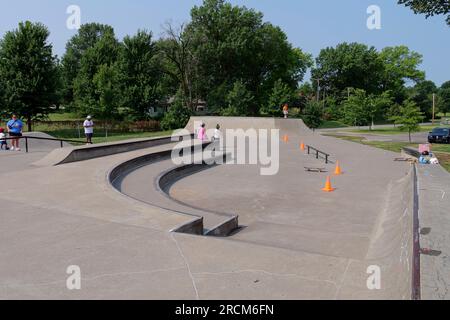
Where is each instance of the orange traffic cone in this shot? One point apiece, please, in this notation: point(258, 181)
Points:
point(302, 146)
point(338, 170)
point(286, 138)
point(328, 187)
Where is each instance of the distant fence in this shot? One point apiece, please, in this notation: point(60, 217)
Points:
point(118, 126)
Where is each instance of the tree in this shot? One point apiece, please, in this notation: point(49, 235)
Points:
point(106, 84)
point(444, 96)
point(400, 67)
point(103, 54)
point(238, 99)
point(313, 114)
point(180, 63)
point(178, 115)
point(409, 118)
point(354, 109)
point(422, 95)
point(348, 65)
point(87, 37)
point(377, 106)
point(281, 94)
point(140, 71)
point(29, 72)
point(233, 43)
point(429, 7)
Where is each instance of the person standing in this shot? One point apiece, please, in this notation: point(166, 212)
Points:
point(202, 133)
point(88, 129)
point(15, 127)
point(3, 142)
point(217, 133)
point(285, 110)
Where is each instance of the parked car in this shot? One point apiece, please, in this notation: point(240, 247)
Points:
point(439, 135)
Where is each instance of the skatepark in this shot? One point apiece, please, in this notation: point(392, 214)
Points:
point(141, 227)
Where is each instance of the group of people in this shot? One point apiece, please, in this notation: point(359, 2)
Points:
point(201, 133)
point(428, 158)
point(14, 130)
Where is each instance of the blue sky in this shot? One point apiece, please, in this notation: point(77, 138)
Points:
point(309, 24)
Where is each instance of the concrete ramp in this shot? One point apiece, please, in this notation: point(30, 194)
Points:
point(286, 126)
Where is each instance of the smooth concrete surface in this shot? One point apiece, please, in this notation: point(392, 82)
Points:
point(20, 160)
point(299, 243)
point(434, 204)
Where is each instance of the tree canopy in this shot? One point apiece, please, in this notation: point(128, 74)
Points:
point(28, 72)
point(429, 7)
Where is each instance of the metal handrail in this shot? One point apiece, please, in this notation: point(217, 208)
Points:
point(326, 156)
point(41, 138)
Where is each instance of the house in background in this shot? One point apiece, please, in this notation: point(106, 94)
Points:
point(201, 108)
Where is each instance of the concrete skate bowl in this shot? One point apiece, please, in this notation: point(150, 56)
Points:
point(367, 223)
point(147, 178)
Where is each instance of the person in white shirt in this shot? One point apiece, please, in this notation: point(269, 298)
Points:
point(217, 133)
point(88, 129)
point(3, 143)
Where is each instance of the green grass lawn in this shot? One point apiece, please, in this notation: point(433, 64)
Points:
point(66, 116)
point(442, 151)
point(332, 125)
point(392, 131)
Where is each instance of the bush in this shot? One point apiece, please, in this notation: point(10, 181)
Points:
point(239, 101)
point(177, 117)
point(312, 114)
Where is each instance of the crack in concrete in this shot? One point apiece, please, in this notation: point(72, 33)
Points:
point(116, 274)
point(266, 273)
point(187, 266)
point(339, 287)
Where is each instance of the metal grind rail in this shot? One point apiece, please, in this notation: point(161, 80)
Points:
point(26, 138)
point(319, 154)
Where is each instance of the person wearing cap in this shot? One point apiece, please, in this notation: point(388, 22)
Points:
point(88, 129)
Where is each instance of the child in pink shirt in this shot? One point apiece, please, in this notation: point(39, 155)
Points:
point(202, 133)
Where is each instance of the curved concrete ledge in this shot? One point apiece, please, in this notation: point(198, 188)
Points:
point(168, 178)
point(82, 153)
point(410, 152)
point(162, 185)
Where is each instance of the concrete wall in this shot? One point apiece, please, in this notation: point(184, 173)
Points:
point(82, 153)
point(393, 241)
point(392, 248)
point(291, 126)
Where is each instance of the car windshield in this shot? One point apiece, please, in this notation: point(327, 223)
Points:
point(440, 131)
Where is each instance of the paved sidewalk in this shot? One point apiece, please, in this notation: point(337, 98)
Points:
point(434, 206)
